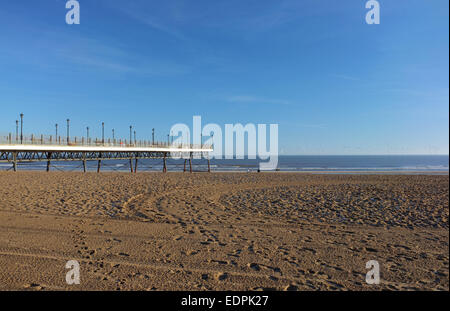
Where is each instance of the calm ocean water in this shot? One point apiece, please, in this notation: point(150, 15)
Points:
point(407, 163)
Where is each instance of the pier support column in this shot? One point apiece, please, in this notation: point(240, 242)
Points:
point(190, 163)
point(131, 164)
point(135, 164)
point(184, 169)
point(15, 161)
point(165, 165)
point(84, 162)
point(49, 156)
point(99, 163)
point(209, 166)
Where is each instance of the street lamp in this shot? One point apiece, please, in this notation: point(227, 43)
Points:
point(131, 127)
point(87, 135)
point(135, 137)
point(21, 128)
point(56, 132)
point(113, 135)
point(153, 136)
point(103, 133)
point(17, 131)
point(68, 130)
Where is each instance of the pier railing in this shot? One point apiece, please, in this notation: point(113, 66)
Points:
point(50, 140)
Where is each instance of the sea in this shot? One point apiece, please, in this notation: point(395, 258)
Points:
point(299, 163)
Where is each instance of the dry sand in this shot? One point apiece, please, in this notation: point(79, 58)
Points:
point(223, 231)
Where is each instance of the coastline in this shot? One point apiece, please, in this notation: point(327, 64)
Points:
point(368, 172)
point(311, 172)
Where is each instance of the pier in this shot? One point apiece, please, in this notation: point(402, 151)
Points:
point(40, 148)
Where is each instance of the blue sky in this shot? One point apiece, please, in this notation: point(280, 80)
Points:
point(334, 84)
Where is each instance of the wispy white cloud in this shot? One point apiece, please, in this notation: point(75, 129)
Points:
point(144, 68)
point(96, 55)
point(144, 13)
point(99, 63)
point(153, 23)
point(257, 100)
point(172, 17)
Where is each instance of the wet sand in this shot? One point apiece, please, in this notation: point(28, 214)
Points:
point(223, 231)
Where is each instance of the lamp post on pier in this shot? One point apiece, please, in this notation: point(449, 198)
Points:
point(103, 133)
point(68, 131)
point(17, 131)
point(56, 132)
point(21, 128)
point(131, 128)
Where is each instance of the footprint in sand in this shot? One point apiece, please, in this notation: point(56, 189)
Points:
point(254, 266)
point(372, 250)
point(221, 276)
point(291, 287)
point(35, 286)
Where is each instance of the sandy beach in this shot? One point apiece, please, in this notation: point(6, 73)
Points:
point(223, 231)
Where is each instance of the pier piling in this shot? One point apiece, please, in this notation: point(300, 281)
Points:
point(84, 161)
point(49, 156)
point(164, 160)
point(99, 163)
point(15, 161)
